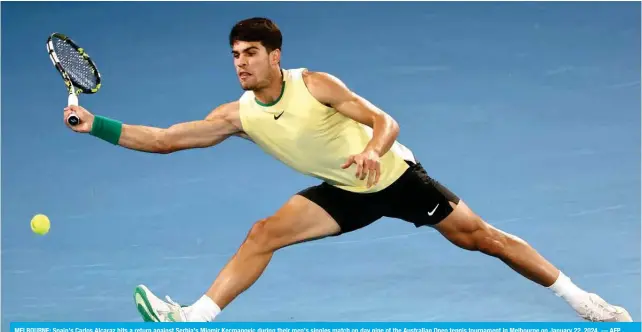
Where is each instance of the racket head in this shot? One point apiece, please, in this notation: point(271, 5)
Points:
point(76, 67)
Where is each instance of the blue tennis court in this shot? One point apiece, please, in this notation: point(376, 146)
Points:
point(529, 111)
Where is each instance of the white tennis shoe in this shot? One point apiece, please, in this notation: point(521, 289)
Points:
point(595, 309)
point(153, 309)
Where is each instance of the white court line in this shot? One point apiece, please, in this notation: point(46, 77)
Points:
point(608, 274)
point(598, 210)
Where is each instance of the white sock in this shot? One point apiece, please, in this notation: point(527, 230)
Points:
point(566, 289)
point(203, 310)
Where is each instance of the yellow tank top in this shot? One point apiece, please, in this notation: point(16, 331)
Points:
point(314, 139)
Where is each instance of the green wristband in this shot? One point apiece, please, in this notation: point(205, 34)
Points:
point(106, 129)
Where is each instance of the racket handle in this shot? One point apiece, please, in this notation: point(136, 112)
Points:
point(72, 119)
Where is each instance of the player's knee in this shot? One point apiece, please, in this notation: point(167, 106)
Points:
point(263, 236)
point(498, 243)
point(483, 238)
point(259, 235)
point(490, 242)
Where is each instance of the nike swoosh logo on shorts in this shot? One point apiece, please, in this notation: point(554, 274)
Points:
point(433, 211)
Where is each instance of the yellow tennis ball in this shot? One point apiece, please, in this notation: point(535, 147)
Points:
point(40, 224)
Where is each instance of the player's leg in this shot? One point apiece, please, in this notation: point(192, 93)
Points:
point(422, 200)
point(315, 213)
point(299, 220)
point(469, 231)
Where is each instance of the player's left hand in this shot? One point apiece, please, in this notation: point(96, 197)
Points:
point(368, 165)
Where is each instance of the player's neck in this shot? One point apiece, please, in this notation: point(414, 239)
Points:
point(273, 91)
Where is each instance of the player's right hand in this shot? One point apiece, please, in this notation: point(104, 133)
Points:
point(86, 118)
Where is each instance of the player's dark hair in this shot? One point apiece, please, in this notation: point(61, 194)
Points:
point(257, 29)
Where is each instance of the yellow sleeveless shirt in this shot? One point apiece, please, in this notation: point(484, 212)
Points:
point(314, 139)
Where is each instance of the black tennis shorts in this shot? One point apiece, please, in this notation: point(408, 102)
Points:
point(415, 197)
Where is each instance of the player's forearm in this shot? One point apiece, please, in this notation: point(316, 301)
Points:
point(180, 136)
point(135, 137)
point(143, 138)
point(385, 131)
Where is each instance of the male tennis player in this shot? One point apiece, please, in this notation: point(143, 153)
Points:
point(315, 124)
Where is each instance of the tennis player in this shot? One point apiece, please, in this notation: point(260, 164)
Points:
point(315, 124)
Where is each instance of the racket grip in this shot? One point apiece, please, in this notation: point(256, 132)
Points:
point(72, 119)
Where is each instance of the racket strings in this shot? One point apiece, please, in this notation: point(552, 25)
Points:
point(78, 69)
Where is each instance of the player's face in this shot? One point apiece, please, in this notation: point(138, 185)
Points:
point(252, 63)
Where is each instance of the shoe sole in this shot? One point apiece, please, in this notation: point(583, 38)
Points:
point(143, 305)
point(624, 315)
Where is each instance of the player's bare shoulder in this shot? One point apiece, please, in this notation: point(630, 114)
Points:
point(325, 87)
point(228, 112)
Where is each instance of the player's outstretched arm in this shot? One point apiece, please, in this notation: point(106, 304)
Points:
point(330, 91)
point(215, 128)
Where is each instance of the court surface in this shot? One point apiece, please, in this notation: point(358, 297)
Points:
point(530, 112)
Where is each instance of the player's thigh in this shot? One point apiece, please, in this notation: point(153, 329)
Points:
point(350, 210)
point(298, 220)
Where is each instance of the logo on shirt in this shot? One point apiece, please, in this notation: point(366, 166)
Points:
point(276, 117)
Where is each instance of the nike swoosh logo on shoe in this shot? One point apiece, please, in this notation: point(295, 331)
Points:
point(144, 306)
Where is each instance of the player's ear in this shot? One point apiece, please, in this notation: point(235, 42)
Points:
point(275, 57)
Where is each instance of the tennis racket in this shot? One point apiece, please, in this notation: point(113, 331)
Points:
point(78, 71)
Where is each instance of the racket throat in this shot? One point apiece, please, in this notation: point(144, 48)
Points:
point(72, 99)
